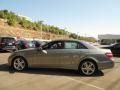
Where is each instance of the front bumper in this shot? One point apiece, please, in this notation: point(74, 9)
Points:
point(10, 59)
point(105, 65)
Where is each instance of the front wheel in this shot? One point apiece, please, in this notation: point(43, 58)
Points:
point(19, 64)
point(88, 67)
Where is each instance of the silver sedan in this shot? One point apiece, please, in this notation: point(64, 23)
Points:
point(66, 54)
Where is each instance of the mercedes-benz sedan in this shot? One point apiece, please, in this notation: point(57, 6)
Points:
point(66, 54)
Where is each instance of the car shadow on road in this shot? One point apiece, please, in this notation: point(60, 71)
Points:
point(48, 71)
point(6, 68)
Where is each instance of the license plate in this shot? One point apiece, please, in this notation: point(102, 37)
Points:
point(9, 43)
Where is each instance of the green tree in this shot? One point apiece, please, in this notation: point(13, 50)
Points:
point(11, 22)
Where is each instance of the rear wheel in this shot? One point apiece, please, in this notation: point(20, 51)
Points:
point(88, 67)
point(19, 64)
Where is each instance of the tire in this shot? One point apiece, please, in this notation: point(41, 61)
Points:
point(88, 67)
point(19, 64)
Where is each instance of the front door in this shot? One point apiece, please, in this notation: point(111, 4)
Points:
point(52, 55)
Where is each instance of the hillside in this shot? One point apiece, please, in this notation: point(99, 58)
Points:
point(6, 30)
point(17, 26)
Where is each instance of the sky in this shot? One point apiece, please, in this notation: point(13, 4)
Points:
point(84, 17)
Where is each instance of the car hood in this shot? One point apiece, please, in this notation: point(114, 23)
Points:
point(25, 50)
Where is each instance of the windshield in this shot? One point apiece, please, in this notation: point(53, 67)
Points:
point(8, 40)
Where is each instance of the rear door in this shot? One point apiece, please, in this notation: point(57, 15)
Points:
point(72, 53)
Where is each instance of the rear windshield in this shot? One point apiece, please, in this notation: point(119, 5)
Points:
point(11, 40)
point(28, 41)
point(89, 46)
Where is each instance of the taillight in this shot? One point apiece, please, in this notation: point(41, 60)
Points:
point(109, 54)
point(3, 43)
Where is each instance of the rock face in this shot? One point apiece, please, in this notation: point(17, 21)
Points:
point(6, 30)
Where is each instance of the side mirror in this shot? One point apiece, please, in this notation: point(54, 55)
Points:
point(44, 51)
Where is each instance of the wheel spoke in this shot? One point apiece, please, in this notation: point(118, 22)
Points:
point(21, 61)
point(86, 64)
point(90, 65)
point(22, 65)
point(15, 63)
point(18, 60)
point(87, 71)
point(91, 69)
point(83, 68)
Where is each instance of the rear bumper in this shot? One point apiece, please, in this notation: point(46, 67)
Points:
point(105, 65)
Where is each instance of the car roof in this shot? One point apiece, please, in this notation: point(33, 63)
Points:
point(67, 40)
point(24, 40)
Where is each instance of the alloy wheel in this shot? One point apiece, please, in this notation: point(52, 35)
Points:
point(19, 64)
point(88, 68)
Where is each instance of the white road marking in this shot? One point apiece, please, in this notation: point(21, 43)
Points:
point(81, 82)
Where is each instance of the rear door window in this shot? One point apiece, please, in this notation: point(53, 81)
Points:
point(70, 45)
point(74, 45)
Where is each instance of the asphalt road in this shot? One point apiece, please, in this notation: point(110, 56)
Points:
point(57, 79)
